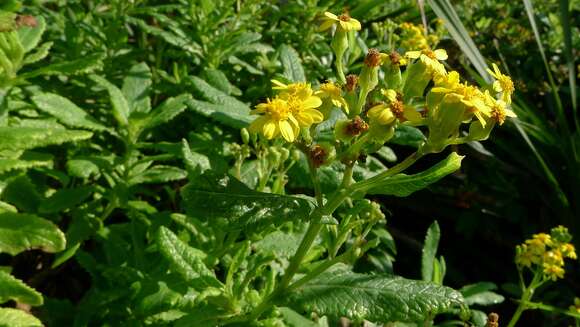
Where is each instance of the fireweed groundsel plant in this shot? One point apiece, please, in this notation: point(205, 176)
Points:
point(204, 230)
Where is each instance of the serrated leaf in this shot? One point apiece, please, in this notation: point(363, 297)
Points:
point(231, 205)
point(30, 36)
point(83, 65)
point(65, 199)
point(168, 110)
point(376, 298)
point(20, 232)
point(40, 53)
point(430, 246)
point(136, 88)
point(66, 111)
point(403, 185)
point(23, 138)
point(17, 318)
point(158, 174)
point(292, 64)
point(7, 165)
point(484, 298)
point(186, 260)
point(22, 193)
point(14, 289)
point(121, 109)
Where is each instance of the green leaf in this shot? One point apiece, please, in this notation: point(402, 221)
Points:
point(403, 185)
point(195, 163)
point(79, 66)
point(23, 138)
point(291, 62)
point(7, 165)
point(408, 135)
point(377, 298)
point(65, 199)
point(158, 174)
point(429, 251)
point(30, 36)
point(40, 53)
point(294, 319)
point(66, 112)
point(121, 108)
point(219, 80)
point(229, 204)
point(14, 289)
point(481, 294)
point(168, 110)
point(219, 106)
point(186, 260)
point(82, 168)
point(17, 318)
point(20, 232)
point(22, 193)
point(136, 88)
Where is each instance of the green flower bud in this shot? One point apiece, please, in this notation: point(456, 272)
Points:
point(443, 122)
point(296, 155)
point(284, 154)
point(245, 135)
point(416, 79)
point(560, 234)
point(339, 42)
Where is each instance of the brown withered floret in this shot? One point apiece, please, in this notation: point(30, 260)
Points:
point(351, 82)
point(356, 126)
point(398, 110)
point(345, 17)
point(373, 58)
point(318, 155)
point(25, 20)
point(395, 58)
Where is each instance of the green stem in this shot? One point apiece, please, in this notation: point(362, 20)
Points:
point(366, 184)
point(340, 69)
point(526, 297)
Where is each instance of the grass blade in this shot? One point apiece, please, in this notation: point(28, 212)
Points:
point(565, 21)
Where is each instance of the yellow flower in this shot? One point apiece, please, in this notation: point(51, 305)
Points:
point(568, 251)
point(543, 238)
point(431, 60)
point(446, 83)
point(382, 114)
point(412, 37)
point(553, 271)
point(299, 89)
point(499, 109)
point(469, 95)
point(277, 119)
point(331, 91)
point(502, 83)
point(385, 113)
point(345, 22)
point(553, 257)
point(525, 257)
point(302, 103)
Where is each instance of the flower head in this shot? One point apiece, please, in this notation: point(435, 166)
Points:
point(553, 271)
point(277, 119)
point(503, 84)
point(343, 22)
point(332, 92)
point(499, 109)
point(430, 58)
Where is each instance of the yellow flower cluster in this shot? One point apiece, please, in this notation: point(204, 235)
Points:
point(413, 37)
point(547, 252)
point(294, 107)
point(479, 103)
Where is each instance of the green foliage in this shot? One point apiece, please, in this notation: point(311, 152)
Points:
point(374, 297)
point(14, 289)
point(21, 232)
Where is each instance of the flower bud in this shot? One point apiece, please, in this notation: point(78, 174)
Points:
point(416, 80)
point(369, 74)
point(351, 83)
point(245, 135)
point(478, 132)
point(296, 155)
point(443, 122)
point(346, 130)
point(284, 154)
